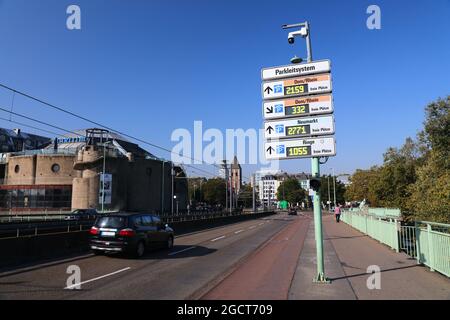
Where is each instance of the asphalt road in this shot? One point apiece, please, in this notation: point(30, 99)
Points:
point(197, 264)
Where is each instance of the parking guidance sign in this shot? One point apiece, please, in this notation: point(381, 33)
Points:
point(300, 86)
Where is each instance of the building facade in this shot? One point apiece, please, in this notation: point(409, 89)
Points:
point(91, 169)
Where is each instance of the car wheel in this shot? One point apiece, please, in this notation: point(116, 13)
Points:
point(140, 249)
point(169, 244)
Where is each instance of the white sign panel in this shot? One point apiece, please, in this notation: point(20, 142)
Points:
point(301, 86)
point(302, 106)
point(106, 180)
point(299, 127)
point(281, 72)
point(300, 148)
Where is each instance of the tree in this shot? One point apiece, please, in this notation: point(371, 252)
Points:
point(340, 190)
point(415, 177)
point(291, 191)
point(214, 191)
point(195, 187)
point(245, 197)
point(430, 194)
point(361, 186)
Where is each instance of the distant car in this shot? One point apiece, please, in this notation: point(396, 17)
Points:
point(292, 212)
point(82, 214)
point(130, 233)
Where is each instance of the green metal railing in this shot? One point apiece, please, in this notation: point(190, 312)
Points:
point(384, 231)
point(428, 242)
point(433, 245)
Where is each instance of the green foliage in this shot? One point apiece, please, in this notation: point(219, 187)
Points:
point(214, 191)
point(340, 190)
point(416, 177)
point(291, 191)
point(245, 197)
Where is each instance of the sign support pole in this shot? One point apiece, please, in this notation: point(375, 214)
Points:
point(315, 172)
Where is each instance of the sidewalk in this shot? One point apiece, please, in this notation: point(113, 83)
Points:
point(347, 254)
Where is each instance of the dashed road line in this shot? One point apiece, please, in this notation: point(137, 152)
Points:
point(98, 278)
point(174, 253)
point(221, 237)
point(239, 231)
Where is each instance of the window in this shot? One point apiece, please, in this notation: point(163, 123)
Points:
point(17, 168)
point(156, 220)
point(111, 222)
point(138, 221)
point(55, 168)
point(146, 220)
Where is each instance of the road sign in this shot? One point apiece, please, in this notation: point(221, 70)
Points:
point(300, 148)
point(299, 127)
point(301, 86)
point(282, 72)
point(302, 106)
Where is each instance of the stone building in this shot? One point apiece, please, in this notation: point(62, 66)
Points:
point(68, 174)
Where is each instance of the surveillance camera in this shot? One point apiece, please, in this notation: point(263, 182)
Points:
point(303, 32)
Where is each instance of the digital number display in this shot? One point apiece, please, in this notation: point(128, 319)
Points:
point(298, 151)
point(298, 130)
point(295, 110)
point(296, 89)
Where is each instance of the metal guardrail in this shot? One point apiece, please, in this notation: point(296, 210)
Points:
point(40, 227)
point(385, 231)
point(427, 242)
point(433, 245)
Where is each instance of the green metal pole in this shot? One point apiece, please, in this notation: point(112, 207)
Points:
point(320, 277)
point(315, 172)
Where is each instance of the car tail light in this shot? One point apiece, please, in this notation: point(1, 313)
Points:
point(126, 233)
point(93, 231)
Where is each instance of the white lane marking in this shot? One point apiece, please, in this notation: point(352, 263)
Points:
point(98, 278)
point(176, 252)
point(218, 238)
point(261, 224)
point(239, 231)
point(252, 227)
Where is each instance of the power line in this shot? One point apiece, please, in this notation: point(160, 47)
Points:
point(105, 127)
point(36, 120)
point(29, 126)
point(62, 129)
point(93, 122)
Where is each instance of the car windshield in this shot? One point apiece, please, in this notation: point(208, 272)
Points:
point(111, 222)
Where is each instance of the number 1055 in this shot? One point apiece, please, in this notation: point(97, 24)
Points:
point(298, 151)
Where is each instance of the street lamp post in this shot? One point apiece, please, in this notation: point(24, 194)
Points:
point(175, 198)
point(334, 188)
point(329, 198)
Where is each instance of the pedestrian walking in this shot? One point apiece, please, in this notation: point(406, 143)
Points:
point(337, 213)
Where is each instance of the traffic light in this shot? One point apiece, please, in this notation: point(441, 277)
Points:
point(314, 183)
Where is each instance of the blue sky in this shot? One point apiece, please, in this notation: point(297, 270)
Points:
point(149, 67)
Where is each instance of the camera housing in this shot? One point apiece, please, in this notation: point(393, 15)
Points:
point(302, 33)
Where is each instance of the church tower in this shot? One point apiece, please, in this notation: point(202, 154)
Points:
point(236, 175)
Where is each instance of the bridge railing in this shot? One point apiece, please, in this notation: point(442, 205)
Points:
point(427, 242)
point(382, 229)
point(433, 245)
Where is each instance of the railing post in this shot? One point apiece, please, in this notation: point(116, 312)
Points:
point(396, 240)
point(417, 235)
point(430, 247)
